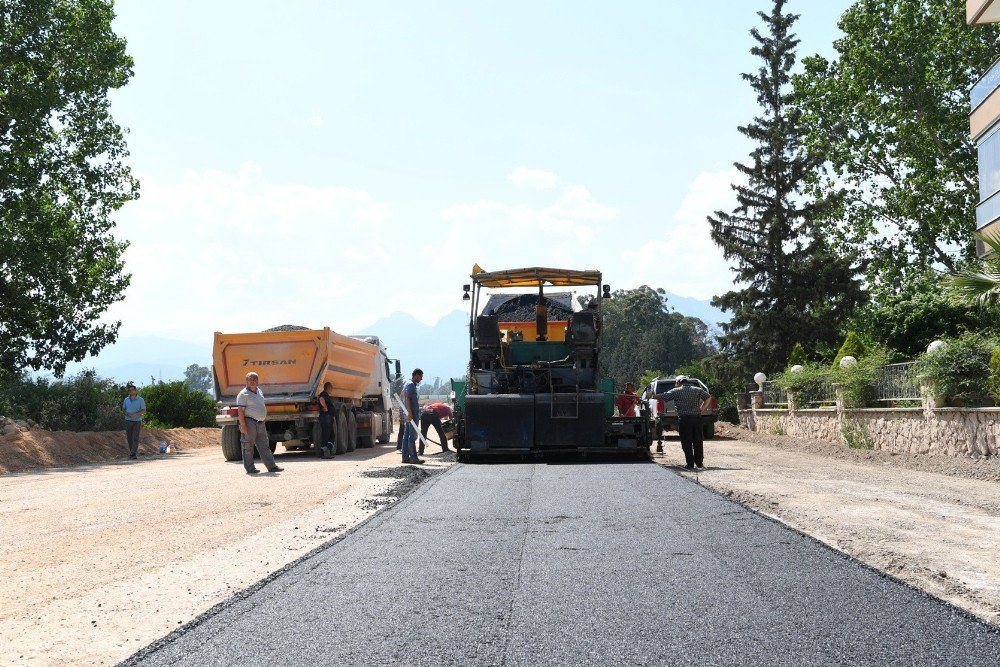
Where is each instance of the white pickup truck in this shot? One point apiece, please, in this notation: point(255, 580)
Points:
point(665, 416)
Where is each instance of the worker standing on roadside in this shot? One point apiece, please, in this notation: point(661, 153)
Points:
point(251, 411)
point(431, 415)
point(690, 401)
point(326, 408)
point(408, 397)
point(627, 400)
point(134, 408)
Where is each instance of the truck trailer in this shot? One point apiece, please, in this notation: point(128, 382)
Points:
point(293, 364)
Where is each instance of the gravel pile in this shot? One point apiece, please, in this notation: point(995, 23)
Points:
point(288, 327)
point(522, 309)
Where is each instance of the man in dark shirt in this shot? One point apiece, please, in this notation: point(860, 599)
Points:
point(690, 401)
point(325, 446)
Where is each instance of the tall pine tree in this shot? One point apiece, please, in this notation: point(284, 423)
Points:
point(794, 286)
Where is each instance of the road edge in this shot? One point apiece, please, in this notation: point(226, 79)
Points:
point(431, 477)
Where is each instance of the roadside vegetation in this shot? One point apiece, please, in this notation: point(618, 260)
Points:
point(87, 402)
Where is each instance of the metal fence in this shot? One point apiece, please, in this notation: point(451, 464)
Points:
point(897, 382)
point(822, 394)
point(773, 395)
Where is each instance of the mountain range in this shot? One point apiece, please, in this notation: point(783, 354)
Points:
point(440, 350)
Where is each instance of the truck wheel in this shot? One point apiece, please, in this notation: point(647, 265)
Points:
point(708, 431)
point(340, 423)
point(352, 432)
point(386, 418)
point(231, 448)
point(317, 436)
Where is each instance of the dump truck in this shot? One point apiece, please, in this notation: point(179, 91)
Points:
point(293, 364)
point(535, 383)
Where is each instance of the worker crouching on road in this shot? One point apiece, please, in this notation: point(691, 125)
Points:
point(690, 401)
point(431, 415)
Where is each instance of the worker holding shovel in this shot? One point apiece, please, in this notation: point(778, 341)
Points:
point(411, 404)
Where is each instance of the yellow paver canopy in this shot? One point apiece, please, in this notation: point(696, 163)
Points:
point(534, 276)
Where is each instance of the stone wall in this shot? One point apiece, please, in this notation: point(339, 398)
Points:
point(972, 432)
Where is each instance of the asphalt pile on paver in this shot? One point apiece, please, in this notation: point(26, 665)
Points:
point(522, 309)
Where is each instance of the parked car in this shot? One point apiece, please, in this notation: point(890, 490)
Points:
point(665, 416)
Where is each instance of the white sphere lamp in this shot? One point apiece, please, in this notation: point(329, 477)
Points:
point(797, 368)
point(848, 361)
point(760, 379)
point(935, 345)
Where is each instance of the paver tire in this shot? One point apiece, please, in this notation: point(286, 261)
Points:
point(352, 432)
point(231, 448)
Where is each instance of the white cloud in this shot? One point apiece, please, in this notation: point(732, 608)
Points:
point(685, 260)
point(233, 252)
point(525, 177)
point(314, 120)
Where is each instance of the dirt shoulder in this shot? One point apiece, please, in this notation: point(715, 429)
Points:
point(933, 522)
point(104, 558)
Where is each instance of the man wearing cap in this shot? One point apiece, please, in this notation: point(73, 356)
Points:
point(134, 408)
point(690, 401)
point(251, 411)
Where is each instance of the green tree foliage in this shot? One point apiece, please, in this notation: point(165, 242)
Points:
point(796, 286)
point(83, 402)
point(61, 177)
point(853, 346)
point(960, 371)
point(978, 285)
point(175, 404)
point(198, 378)
point(798, 356)
point(907, 317)
point(994, 382)
point(891, 114)
point(640, 332)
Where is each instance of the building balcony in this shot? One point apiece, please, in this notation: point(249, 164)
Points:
point(978, 12)
point(984, 100)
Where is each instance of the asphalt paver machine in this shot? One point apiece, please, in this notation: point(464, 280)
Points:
point(534, 383)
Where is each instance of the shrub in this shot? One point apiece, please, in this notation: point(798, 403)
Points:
point(852, 347)
point(855, 436)
point(809, 384)
point(798, 356)
point(82, 402)
point(175, 404)
point(960, 371)
point(995, 375)
point(857, 381)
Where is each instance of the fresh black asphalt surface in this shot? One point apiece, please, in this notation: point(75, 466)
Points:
point(606, 563)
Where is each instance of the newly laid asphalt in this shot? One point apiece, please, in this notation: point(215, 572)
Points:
point(606, 563)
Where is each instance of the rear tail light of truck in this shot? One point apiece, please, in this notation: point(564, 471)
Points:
point(310, 407)
point(714, 405)
point(233, 412)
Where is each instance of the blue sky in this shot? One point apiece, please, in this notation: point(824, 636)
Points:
point(329, 163)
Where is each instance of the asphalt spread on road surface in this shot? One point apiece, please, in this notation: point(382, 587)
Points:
point(570, 563)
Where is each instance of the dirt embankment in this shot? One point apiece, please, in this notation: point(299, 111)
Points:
point(32, 449)
point(933, 522)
